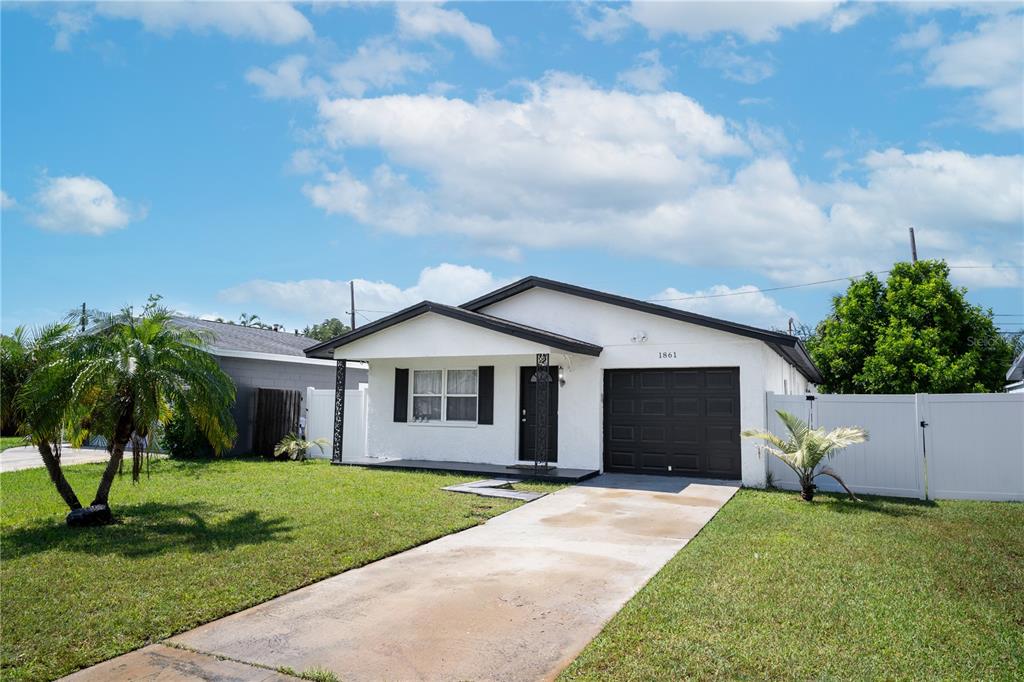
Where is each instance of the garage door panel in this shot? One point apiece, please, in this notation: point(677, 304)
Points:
point(655, 407)
point(623, 406)
point(724, 435)
point(722, 406)
point(619, 458)
point(686, 407)
point(622, 432)
point(653, 434)
point(654, 460)
point(720, 379)
point(653, 380)
point(673, 421)
point(622, 381)
point(686, 380)
point(685, 434)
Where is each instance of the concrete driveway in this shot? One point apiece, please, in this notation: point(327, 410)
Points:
point(16, 459)
point(516, 598)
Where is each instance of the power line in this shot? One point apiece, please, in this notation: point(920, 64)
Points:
point(824, 281)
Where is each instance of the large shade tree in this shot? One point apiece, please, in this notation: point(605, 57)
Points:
point(913, 333)
point(122, 378)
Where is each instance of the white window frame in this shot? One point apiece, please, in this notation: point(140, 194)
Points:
point(444, 395)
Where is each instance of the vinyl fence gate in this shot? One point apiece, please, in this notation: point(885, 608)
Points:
point(320, 421)
point(928, 446)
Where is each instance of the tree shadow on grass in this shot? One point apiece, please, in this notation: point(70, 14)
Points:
point(150, 529)
point(873, 504)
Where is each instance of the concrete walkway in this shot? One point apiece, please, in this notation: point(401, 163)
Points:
point(16, 459)
point(516, 598)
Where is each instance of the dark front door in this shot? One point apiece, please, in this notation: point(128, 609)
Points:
point(528, 414)
point(673, 421)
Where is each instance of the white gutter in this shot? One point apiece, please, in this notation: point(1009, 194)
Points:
point(279, 357)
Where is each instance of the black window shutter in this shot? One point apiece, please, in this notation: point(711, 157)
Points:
point(401, 395)
point(485, 413)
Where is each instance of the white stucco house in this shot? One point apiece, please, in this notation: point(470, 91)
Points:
point(633, 386)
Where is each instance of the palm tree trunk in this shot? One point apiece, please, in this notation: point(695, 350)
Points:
point(57, 475)
point(807, 488)
point(122, 433)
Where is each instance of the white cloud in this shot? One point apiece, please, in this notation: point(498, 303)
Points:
point(6, 200)
point(573, 165)
point(598, 21)
point(737, 66)
point(989, 61)
point(424, 21)
point(285, 80)
point(81, 204)
point(321, 298)
point(754, 21)
point(68, 23)
point(647, 75)
point(272, 22)
point(376, 64)
point(743, 304)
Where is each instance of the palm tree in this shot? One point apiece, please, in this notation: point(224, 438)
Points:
point(118, 380)
point(133, 372)
point(42, 405)
point(806, 448)
point(294, 447)
point(247, 320)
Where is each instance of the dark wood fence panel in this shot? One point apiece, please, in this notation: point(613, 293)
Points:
point(277, 415)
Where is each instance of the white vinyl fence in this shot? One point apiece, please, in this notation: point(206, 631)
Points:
point(320, 420)
point(972, 446)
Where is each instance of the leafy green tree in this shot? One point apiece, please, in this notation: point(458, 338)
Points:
point(326, 330)
point(14, 368)
point(914, 333)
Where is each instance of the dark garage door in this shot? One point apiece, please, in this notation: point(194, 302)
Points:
point(673, 421)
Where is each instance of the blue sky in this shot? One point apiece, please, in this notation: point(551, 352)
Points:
point(255, 157)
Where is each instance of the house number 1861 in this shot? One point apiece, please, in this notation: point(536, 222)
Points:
point(666, 354)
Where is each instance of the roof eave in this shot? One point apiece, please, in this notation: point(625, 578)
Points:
point(326, 349)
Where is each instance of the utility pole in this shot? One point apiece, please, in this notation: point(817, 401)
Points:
point(913, 246)
point(352, 305)
point(83, 317)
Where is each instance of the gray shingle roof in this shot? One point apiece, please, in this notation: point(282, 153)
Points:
point(234, 337)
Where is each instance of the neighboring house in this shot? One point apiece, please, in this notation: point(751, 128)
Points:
point(1015, 377)
point(262, 358)
point(634, 387)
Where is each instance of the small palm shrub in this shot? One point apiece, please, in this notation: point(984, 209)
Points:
point(806, 448)
point(295, 448)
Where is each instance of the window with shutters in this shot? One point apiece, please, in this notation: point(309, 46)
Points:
point(444, 395)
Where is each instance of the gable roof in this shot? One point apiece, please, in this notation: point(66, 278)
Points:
point(235, 337)
point(522, 331)
point(790, 348)
point(1016, 372)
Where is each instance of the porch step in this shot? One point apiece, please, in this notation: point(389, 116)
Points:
point(495, 487)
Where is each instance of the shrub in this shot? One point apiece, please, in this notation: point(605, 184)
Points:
point(182, 438)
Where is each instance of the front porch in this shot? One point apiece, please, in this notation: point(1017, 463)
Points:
point(525, 472)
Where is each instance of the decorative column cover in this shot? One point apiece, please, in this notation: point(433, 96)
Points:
point(339, 411)
point(543, 377)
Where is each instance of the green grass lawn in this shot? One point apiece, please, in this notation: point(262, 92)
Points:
point(775, 588)
point(196, 541)
point(10, 442)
